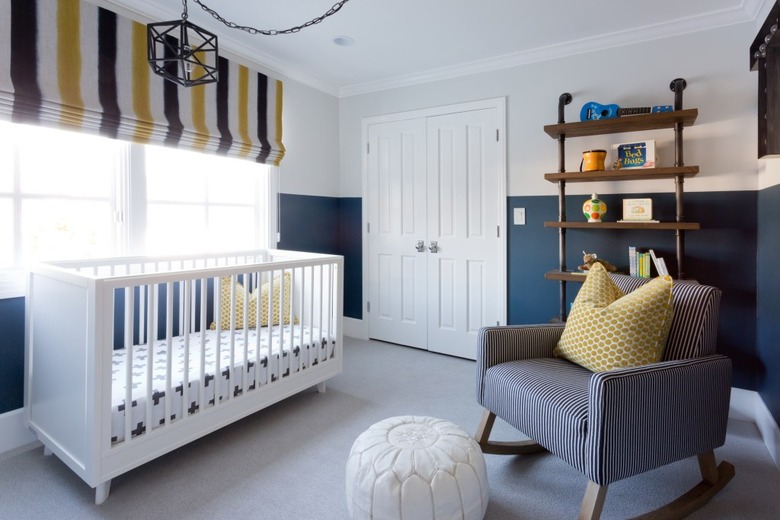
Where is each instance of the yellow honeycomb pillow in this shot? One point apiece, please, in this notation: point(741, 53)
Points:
point(607, 329)
point(252, 314)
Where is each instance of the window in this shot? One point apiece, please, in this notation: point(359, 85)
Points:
point(70, 195)
point(198, 202)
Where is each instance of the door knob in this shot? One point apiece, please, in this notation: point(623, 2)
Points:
point(420, 246)
point(434, 247)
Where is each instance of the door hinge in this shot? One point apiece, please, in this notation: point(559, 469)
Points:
point(498, 231)
point(368, 306)
point(497, 139)
point(368, 227)
point(368, 147)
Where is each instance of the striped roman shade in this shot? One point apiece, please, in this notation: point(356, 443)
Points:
point(69, 63)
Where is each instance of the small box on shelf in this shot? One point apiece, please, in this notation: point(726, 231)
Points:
point(638, 154)
point(638, 210)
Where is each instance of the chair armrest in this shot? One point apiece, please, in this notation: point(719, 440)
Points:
point(641, 418)
point(497, 345)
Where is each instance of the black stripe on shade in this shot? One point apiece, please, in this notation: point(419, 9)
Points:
point(24, 61)
point(223, 91)
point(262, 118)
point(107, 88)
point(171, 95)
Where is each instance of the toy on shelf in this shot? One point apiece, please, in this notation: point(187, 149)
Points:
point(593, 258)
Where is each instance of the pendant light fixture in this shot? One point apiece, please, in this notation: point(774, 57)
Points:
point(186, 54)
point(182, 52)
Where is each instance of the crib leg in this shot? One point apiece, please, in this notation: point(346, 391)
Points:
point(321, 387)
point(47, 451)
point(101, 492)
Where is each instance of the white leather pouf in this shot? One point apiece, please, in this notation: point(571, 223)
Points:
point(416, 468)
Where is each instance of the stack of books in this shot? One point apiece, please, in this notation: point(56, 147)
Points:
point(639, 262)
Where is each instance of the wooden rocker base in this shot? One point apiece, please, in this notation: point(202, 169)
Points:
point(502, 448)
point(714, 478)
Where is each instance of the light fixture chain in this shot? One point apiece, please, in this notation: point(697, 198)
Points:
point(269, 32)
point(184, 9)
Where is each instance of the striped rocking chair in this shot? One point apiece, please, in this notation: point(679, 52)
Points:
point(614, 424)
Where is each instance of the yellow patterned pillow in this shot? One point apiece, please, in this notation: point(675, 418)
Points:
point(252, 311)
point(607, 329)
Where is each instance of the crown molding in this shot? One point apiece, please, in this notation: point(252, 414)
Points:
point(748, 11)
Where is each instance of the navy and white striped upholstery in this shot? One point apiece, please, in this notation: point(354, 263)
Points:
point(615, 424)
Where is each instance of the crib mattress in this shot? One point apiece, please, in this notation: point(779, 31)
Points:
point(303, 348)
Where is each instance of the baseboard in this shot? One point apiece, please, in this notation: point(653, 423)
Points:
point(13, 433)
point(769, 430)
point(355, 328)
point(747, 405)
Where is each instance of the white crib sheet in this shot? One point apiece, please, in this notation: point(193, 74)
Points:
point(310, 347)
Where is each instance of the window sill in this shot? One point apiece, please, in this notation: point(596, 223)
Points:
point(12, 283)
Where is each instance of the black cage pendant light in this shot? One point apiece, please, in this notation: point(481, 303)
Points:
point(182, 52)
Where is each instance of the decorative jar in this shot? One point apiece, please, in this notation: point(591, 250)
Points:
point(594, 208)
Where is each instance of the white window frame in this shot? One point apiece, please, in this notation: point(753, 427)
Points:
point(130, 213)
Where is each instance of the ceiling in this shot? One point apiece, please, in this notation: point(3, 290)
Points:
point(402, 42)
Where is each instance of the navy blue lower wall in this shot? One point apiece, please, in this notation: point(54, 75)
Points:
point(720, 254)
point(769, 299)
point(327, 225)
point(11, 354)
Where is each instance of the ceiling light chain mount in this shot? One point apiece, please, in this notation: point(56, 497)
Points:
point(272, 32)
point(186, 54)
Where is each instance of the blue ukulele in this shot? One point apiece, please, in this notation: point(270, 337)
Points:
point(593, 111)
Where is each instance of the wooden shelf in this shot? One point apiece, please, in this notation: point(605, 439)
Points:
point(567, 276)
point(623, 175)
point(623, 225)
point(623, 124)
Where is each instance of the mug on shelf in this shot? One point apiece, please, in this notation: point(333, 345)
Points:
point(593, 160)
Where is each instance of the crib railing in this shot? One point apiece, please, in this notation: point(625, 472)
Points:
point(275, 311)
point(266, 331)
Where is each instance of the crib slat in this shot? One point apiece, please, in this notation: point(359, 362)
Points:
point(169, 349)
point(187, 298)
point(128, 344)
point(203, 327)
point(151, 321)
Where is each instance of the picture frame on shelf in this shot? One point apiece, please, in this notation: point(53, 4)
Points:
point(638, 210)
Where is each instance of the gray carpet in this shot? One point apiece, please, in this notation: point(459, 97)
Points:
point(287, 462)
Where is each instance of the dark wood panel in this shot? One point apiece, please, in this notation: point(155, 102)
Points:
point(623, 225)
point(623, 124)
point(623, 175)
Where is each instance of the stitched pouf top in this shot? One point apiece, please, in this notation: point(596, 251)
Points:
point(408, 468)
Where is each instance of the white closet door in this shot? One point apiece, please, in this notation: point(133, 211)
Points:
point(397, 218)
point(464, 214)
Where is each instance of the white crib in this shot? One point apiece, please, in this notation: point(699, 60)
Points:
point(192, 343)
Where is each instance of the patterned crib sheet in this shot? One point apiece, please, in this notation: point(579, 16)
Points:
point(309, 347)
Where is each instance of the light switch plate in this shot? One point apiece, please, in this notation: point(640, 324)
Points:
point(519, 217)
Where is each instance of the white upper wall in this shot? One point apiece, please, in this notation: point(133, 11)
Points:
point(310, 126)
point(714, 63)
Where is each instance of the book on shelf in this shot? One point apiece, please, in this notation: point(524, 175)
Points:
point(639, 261)
point(632, 264)
point(660, 265)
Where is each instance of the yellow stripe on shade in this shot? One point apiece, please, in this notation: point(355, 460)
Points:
point(243, 110)
point(142, 105)
point(69, 60)
point(198, 101)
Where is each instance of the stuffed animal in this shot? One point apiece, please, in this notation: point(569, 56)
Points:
point(592, 258)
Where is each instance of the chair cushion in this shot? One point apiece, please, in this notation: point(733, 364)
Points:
point(608, 330)
point(546, 399)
